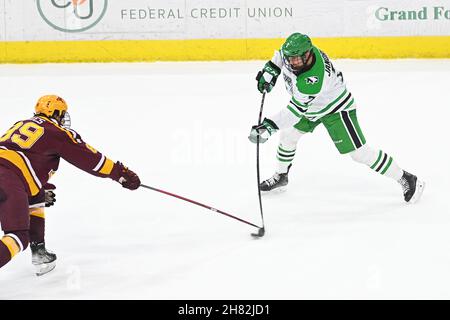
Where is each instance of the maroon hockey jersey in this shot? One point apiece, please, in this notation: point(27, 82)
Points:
point(32, 148)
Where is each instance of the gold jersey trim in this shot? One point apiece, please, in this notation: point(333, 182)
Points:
point(37, 212)
point(16, 159)
point(107, 167)
point(11, 244)
point(60, 128)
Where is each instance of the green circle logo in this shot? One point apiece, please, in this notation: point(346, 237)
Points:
point(72, 15)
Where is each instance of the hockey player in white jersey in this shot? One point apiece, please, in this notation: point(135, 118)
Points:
point(318, 96)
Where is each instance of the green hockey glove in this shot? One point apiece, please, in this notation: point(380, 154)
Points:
point(264, 131)
point(267, 77)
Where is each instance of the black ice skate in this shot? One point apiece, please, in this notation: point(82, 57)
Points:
point(412, 188)
point(43, 260)
point(277, 182)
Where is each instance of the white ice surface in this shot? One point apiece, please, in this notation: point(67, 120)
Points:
point(340, 231)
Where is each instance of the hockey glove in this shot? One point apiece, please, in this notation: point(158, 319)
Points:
point(127, 178)
point(264, 131)
point(267, 77)
point(50, 196)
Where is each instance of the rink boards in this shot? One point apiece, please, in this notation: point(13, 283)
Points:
point(197, 30)
point(217, 50)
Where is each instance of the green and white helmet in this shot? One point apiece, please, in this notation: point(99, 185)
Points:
point(296, 45)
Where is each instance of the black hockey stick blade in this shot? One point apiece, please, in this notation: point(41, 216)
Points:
point(259, 234)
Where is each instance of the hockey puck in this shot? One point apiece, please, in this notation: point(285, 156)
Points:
point(260, 233)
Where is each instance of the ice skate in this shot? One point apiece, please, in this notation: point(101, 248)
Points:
point(43, 260)
point(412, 187)
point(277, 183)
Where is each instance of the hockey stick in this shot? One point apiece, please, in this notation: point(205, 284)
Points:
point(262, 230)
point(200, 204)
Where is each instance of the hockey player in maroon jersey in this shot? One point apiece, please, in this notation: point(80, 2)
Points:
point(30, 152)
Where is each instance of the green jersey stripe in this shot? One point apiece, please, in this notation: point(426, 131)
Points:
point(297, 107)
point(329, 106)
point(294, 112)
point(342, 105)
point(295, 101)
point(376, 162)
point(350, 104)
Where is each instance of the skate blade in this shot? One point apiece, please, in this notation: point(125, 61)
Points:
point(44, 268)
point(275, 191)
point(420, 186)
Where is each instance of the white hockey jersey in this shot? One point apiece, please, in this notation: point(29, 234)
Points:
point(318, 91)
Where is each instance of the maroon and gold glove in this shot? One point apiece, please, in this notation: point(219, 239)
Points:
point(127, 178)
point(50, 196)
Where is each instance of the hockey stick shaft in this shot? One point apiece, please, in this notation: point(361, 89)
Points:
point(199, 204)
point(257, 158)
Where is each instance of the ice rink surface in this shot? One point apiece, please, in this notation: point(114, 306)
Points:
point(339, 232)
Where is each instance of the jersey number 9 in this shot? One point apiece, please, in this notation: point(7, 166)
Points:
point(28, 134)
